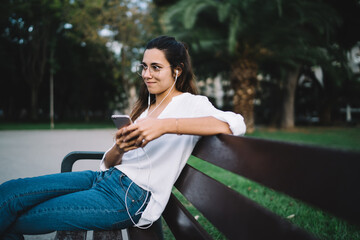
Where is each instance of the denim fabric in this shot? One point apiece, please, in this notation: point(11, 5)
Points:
point(69, 201)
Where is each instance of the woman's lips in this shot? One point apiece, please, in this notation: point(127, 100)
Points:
point(150, 83)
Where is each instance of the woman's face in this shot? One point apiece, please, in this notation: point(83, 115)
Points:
point(158, 75)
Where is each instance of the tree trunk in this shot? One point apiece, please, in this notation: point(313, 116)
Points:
point(34, 103)
point(288, 109)
point(34, 57)
point(325, 113)
point(127, 86)
point(243, 78)
point(327, 101)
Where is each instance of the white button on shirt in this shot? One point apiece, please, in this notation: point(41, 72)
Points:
point(157, 166)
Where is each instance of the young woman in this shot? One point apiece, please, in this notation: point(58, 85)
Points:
point(138, 171)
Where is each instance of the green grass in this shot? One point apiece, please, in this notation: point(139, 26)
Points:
point(321, 224)
point(347, 138)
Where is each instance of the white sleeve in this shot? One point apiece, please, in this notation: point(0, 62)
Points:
point(204, 108)
point(102, 164)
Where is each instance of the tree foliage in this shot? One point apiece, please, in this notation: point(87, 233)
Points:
point(252, 36)
point(91, 70)
point(30, 28)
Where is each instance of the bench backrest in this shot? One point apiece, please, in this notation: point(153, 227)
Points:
point(324, 178)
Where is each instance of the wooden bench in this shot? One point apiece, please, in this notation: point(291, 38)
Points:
point(325, 178)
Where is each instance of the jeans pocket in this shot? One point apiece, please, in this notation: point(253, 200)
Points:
point(133, 192)
point(126, 185)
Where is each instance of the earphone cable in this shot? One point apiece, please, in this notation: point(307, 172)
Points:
point(148, 158)
point(161, 100)
point(147, 195)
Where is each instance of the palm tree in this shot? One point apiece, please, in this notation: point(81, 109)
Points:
point(250, 31)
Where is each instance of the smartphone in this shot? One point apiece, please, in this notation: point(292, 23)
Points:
point(121, 120)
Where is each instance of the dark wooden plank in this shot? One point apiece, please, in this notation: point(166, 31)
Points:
point(152, 233)
point(181, 223)
point(236, 216)
point(140, 234)
point(325, 178)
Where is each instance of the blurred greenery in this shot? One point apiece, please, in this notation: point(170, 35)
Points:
point(257, 49)
point(278, 39)
point(93, 72)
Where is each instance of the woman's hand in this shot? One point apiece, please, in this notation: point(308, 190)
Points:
point(122, 144)
point(144, 131)
point(134, 136)
point(114, 156)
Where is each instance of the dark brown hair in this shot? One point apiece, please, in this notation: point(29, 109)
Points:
point(176, 53)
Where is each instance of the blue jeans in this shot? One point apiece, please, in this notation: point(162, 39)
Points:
point(69, 201)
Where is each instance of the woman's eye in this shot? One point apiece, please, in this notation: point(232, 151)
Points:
point(156, 68)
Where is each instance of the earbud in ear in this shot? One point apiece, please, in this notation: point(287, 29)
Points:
point(177, 72)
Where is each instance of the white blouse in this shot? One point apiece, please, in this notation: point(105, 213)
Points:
point(157, 166)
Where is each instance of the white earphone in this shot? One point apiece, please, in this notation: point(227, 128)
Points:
point(149, 100)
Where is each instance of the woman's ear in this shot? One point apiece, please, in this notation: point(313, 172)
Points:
point(177, 72)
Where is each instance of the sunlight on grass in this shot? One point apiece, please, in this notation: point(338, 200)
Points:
point(347, 138)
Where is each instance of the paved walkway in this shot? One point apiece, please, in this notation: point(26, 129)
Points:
point(32, 153)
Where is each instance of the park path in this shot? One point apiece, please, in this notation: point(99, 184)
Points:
point(31, 153)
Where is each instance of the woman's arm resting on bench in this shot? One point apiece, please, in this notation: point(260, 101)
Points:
point(148, 129)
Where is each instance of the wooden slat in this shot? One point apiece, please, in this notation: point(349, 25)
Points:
point(136, 233)
point(107, 235)
point(237, 217)
point(325, 178)
point(70, 235)
point(181, 223)
point(152, 233)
